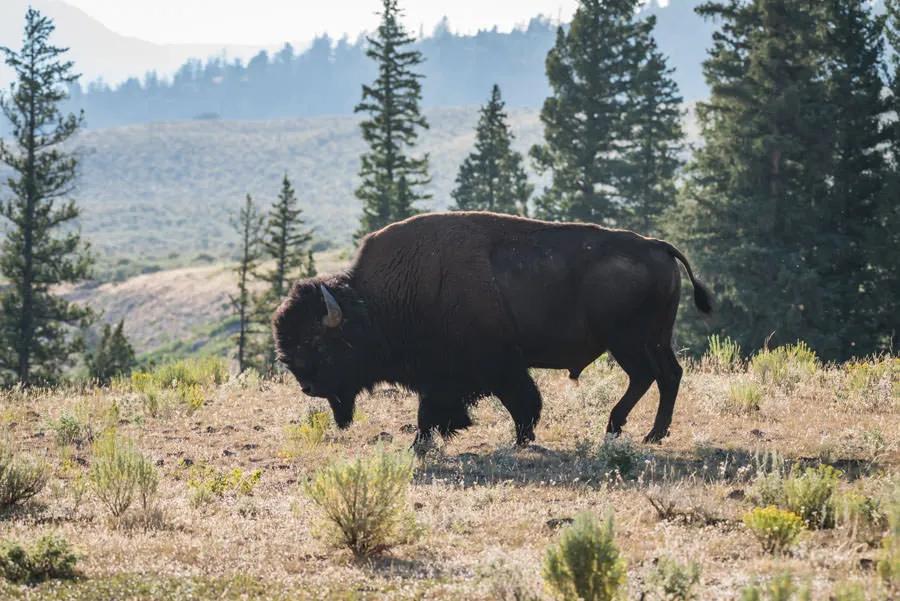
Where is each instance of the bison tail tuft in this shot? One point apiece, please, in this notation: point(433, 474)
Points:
point(702, 298)
point(702, 295)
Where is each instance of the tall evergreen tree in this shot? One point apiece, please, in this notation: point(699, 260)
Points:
point(852, 244)
point(113, 357)
point(774, 209)
point(655, 140)
point(611, 93)
point(890, 208)
point(492, 177)
point(249, 225)
point(41, 248)
point(392, 181)
point(285, 243)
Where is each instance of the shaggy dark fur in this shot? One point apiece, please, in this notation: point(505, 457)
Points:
point(457, 306)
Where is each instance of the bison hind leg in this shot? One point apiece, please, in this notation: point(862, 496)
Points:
point(521, 397)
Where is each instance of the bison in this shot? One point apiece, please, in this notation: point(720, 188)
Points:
point(458, 306)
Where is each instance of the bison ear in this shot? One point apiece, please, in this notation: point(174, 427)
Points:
point(335, 316)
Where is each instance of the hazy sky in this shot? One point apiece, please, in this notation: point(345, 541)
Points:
point(272, 21)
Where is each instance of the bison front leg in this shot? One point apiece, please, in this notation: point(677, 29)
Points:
point(442, 413)
point(522, 399)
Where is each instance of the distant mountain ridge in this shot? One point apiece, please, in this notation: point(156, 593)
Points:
point(325, 78)
point(98, 52)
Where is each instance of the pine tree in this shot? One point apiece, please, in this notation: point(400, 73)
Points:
point(41, 248)
point(310, 271)
point(492, 177)
point(773, 210)
point(249, 225)
point(598, 124)
point(113, 357)
point(285, 243)
point(652, 160)
point(852, 244)
point(889, 275)
point(391, 180)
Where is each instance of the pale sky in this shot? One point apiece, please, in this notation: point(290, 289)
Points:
point(264, 22)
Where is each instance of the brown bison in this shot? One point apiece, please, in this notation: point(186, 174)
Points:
point(458, 306)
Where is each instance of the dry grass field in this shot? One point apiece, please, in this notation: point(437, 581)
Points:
point(485, 512)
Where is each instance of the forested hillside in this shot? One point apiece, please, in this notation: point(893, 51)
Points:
point(326, 78)
point(159, 195)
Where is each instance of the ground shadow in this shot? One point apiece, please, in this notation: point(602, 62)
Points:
point(587, 466)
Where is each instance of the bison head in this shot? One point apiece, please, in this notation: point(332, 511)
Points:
point(320, 333)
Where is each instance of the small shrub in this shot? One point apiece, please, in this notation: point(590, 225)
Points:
point(672, 581)
point(364, 502)
point(768, 484)
point(780, 588)
point(888, 566)
point(848, 591)
point(585, 564)
point(744, 397)
point(203, 371)
point(509, 582)
point(722, 354)
point(811, 495)
point(21, 478)
point(208, 484)
point(619, 454)
point(862, 516)
point(308, 434)
point(69, 430)
point(182, 383)
point(786, 365)
point(48, 558)
point(119, 472)
point(875, 383)
point(775, 529)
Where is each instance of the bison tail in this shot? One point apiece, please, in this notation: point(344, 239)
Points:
point(702, 295)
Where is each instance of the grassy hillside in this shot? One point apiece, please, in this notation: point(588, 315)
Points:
point(176, 312)
point(161, 195)
point(485, 512)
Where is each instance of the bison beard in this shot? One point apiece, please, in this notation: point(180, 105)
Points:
point(457, 306)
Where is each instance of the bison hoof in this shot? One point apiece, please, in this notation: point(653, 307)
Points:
point(421, 446)
point(656, 436)
point(523, 440)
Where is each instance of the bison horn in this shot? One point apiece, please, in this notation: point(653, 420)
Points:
point(335, 315)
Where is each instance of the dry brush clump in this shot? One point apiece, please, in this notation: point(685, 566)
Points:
point(120, 474)
point(21, 477)
point(586, 563)
point(48, 558)
point(364, 502)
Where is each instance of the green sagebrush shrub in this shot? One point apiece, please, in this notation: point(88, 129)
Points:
point(48, 558)
point(306, 435)
point(888, 566)
point(775, 529)
point(780, 588)
point(722, 354)
point(673, 581)
point(786, 365)
point(208, 484)
point(180, 383)
point(21, 477)
point(620, 454)
point(364, 502)
point(586, 563)
point(119, 473)
point(744, 397)
point(811, 495)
